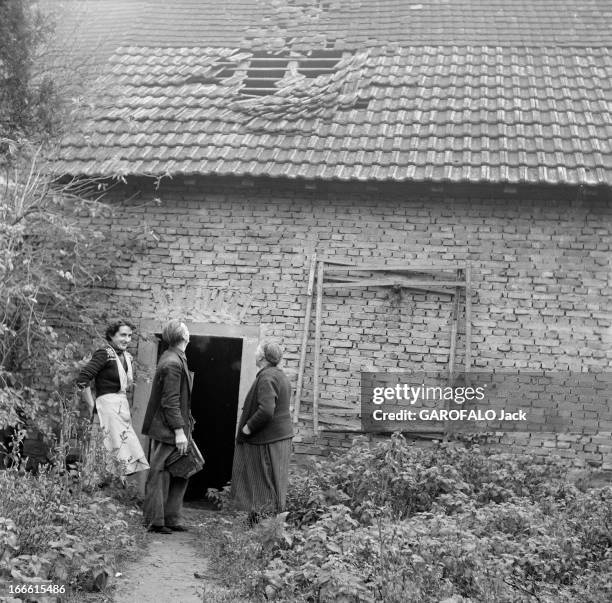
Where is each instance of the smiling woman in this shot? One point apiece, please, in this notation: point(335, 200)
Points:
point(111, 368)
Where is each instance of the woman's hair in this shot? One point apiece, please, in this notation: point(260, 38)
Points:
point(174, 332)
point(272, 352)
point(113, 327)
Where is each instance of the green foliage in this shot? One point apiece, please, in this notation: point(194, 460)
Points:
point(394, 522)
point(28, 99)
point(49, 268)
point(404, 480)
point(55, 526)
point(49, 265)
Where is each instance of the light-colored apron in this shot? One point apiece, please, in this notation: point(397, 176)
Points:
point(120, 439)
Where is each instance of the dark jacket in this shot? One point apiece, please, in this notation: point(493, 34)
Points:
point(103, 369)
point(170, 401)
point(266, 408)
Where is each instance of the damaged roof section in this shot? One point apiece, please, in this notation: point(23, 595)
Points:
point(534, 115)
point(382, 90)
point(266, 72)
point(297, 97)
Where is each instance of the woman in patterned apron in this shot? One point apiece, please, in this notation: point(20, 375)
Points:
point(111, 368)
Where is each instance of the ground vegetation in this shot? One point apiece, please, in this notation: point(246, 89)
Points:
point(395, 522)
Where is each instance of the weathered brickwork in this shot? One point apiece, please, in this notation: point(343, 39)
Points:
point(541, 272)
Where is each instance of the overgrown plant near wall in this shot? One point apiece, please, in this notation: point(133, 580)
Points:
point(393, 522)
point(57, 525)
point(48, 263)
point(48, 267)
point(44, 76)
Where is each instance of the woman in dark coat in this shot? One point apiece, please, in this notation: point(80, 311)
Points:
point(263, 444)
point(111, 369)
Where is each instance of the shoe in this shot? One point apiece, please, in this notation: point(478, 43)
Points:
point(178, 528)
point(159, 529)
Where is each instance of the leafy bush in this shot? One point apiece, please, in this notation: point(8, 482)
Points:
point(56, 525)
point(393, 522)
point(406, 479)
point(50, 270)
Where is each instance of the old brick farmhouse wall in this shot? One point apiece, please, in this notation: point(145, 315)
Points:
point(540, 269)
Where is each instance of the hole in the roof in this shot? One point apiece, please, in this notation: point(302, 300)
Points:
point(264, 71)
point(362, 103)
point(319, 62)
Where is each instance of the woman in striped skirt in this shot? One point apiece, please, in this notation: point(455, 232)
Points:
point(263, 444)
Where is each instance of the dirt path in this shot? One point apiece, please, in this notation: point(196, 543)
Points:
point(167, 572)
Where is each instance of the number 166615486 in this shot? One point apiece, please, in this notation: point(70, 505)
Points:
point(33, 588)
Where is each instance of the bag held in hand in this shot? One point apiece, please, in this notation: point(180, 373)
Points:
point(185, 465)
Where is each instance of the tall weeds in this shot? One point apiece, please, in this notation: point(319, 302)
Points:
point(57, 524)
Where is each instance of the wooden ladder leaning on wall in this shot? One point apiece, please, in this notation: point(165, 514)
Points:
point(334, 273)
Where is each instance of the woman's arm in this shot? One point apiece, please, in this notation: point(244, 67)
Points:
point(266, 404)
point(89, 372)
point(88, 397)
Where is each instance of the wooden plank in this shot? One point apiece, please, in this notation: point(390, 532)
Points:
point(340, 404)
point(338, 422)
point(248, 372)
point(453, 342)
point(453, 339)
point(147, 362)
point(451, 354)
point(431, 434)
point(385, 282)
point(395, 278)
point(340, 411)
point(309, 290)
point(342, 266)
point(355, 430)
point(468, 317)
point(339, 280)
point(317, 348)
point(338, 419)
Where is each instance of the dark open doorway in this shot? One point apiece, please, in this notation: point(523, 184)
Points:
point(215, 362)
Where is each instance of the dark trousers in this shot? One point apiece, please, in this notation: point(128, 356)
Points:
point(163, 492)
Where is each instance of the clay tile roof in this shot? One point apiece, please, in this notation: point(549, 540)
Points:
point(449, 90)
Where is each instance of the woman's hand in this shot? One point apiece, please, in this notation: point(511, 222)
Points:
point(246, 430)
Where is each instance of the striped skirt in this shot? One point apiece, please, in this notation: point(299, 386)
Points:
point(260, 475)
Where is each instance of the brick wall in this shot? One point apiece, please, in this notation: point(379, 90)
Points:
point(540, 267)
